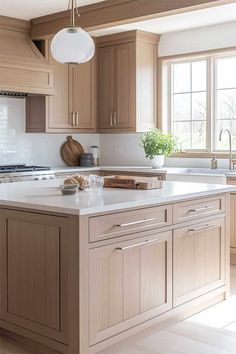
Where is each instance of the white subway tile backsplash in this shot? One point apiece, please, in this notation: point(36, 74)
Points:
point(16, 146)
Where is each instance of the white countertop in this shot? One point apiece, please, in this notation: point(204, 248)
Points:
point(45, 196)
point(169, 170)
point(71, 169)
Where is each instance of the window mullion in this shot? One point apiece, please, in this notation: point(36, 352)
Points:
point(213, 101)
point(210, 105)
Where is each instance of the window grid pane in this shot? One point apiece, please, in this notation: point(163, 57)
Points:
point(225, 101)
point(189, 104)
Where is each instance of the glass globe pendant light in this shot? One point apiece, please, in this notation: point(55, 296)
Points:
point(72, 45)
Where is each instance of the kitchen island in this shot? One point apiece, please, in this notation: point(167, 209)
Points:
point(79, 273)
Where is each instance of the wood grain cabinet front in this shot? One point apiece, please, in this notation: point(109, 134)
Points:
point(127, 82)
point(129, 283)
point(129, 222)
point(200, 208)
point(232, 181)
point(72, 108)
point(33, 273)
point(198, 259)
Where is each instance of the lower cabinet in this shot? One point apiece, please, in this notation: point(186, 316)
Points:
point(130, 282)
point(232, 220)
point(198, 259)
point(33, 273)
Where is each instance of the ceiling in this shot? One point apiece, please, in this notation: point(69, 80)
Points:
point(179, 22)
point(28, 9)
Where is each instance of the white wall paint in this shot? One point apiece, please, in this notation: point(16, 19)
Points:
point(115, 149)
point(200, 39)
point(123, 149)
point(18, 147)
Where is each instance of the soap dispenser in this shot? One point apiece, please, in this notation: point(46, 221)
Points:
point(214, 163)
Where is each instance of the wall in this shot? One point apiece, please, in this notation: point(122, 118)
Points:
point(200, 39)
point(18, 147)
point(123, 148)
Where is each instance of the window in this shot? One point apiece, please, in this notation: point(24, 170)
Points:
point(225, 100)
point(201, 100)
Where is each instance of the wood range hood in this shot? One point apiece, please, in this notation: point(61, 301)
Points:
point(23, 69)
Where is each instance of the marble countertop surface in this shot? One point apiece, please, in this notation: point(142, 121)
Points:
point(169, 170)
point(45, 196)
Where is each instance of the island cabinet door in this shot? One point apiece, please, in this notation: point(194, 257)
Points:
point(198, 259)
point(130, 282)
point(233, 220)
point(33, 273)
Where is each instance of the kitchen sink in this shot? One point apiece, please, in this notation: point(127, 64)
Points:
point(198, 174)
point(207, 171)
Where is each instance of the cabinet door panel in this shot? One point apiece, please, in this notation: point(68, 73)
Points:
point(82, 95)
point(130, 282)
point(153, 289)
point(233, 220)
point(33, 270)
point(198, 261)
point(125, 86)
point(58, 104)
point(106, 68)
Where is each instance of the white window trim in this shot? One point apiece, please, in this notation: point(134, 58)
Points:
point(166, 83)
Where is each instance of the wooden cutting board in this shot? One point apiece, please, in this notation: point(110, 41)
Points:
point(132, 182)
point(71, 151)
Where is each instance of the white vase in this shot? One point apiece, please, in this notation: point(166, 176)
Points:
point(158, 161)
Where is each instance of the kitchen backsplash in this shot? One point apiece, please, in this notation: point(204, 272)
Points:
point(123, 150)
point(16, 146)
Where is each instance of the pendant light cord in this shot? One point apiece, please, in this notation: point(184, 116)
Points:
point(74, 8)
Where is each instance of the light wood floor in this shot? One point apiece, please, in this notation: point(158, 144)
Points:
point(212, 331)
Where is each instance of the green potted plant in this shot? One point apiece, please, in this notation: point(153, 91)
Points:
point(157, 145)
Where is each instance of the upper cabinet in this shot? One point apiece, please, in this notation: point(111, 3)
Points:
point(72, 108)
point(115, 92)
point(127, 81)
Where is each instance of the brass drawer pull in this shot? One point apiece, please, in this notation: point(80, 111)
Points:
point(201, 228)
point(73, 119)
point(136, 245)
point(134, 223)
point(115, 118)
point(111, 119)
point(77, 119)
point(200, 209)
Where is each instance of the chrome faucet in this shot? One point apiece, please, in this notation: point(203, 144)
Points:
point(230, 145)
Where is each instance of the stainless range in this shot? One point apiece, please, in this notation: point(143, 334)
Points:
point(22, 172)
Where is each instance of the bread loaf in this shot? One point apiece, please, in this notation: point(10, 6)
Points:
point(78, 179)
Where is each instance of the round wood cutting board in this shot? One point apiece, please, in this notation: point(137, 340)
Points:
point(71, 151)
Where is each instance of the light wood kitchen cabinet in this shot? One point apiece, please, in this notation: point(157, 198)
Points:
point(233, 221)
point(79, 283)
point(127, 80)
point(82, 96)
point(72, 108)
point(129, 222)
point(232, 180)
point(33, 273)
point(130, 282)
point(198, 259)
point(105, 86)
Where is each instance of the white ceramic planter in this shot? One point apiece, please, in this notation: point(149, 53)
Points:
point(158, 161)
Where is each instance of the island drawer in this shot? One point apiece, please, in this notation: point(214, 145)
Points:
point(124, 223)
point(193, 210)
